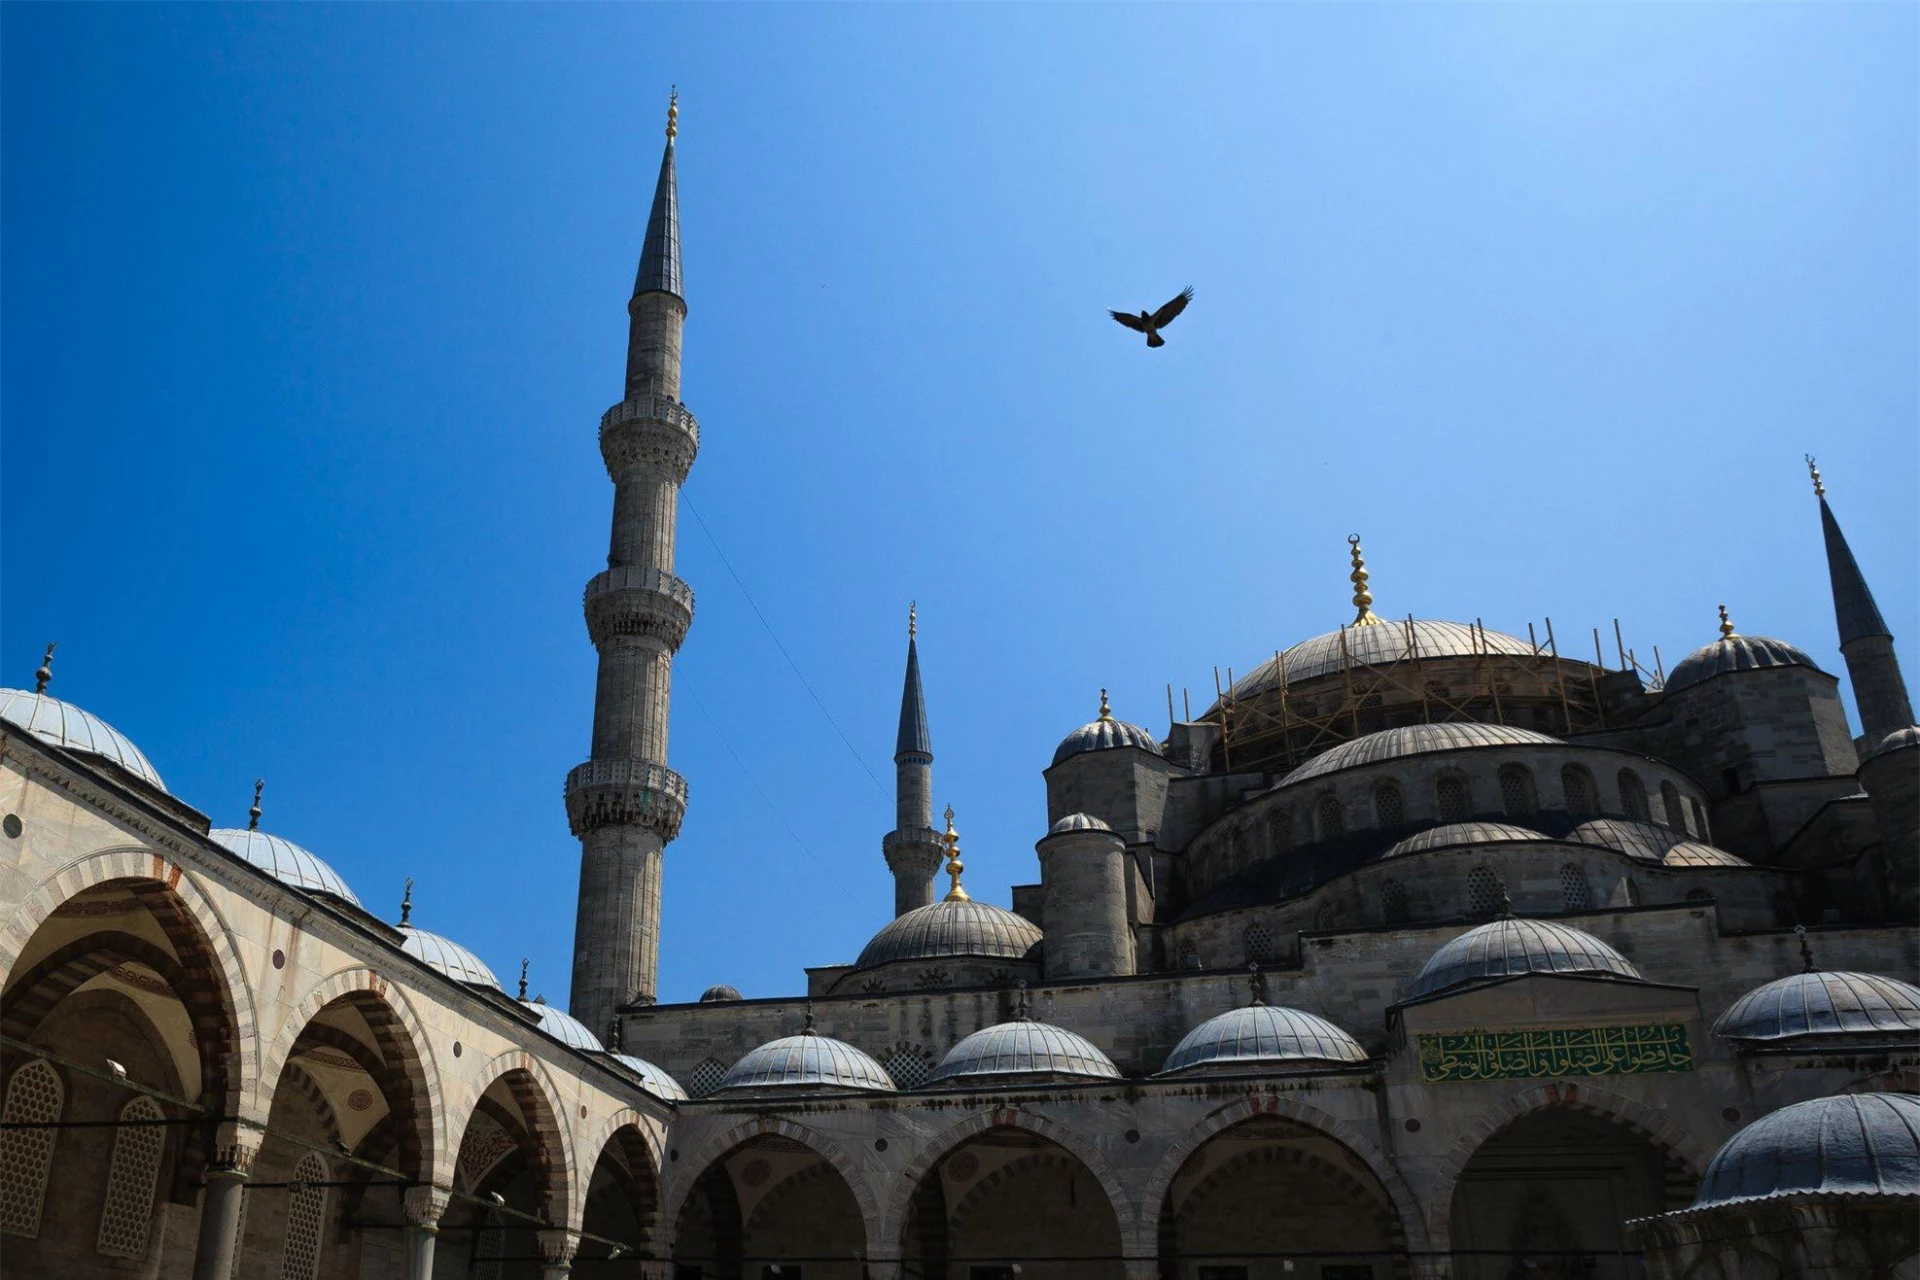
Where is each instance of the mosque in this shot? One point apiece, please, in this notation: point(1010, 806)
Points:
point(1424, 951)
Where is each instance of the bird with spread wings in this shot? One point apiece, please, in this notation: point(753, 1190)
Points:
point(1152, 322)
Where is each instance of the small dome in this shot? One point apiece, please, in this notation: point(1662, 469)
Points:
point(565, 1028)
point(448, 956)
point(1078, 822)
point(1691, 853)
point(720, 993)
point(952, 928)
point(1898, 740)
point(652, 1078)
point(1504, 948)
point(1455, 835)
point(1822, 1005)
point(1263, 1035)
point(1647, 841)
point(284, 860)
point(1105, 734)
point(1373, 646)
point(1023, 1048)
point(1734, 653)
point(65, 725)
point(1416, 740)
point(807, 1061)
point(1855, 1144)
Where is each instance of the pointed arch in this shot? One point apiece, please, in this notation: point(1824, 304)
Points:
point(637, 1143)
point(538, 1098)
point(687, 1172)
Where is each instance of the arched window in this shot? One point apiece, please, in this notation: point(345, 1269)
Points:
point(1189, 954)
point(1517, 795)
point(1259, 940)
point(1483, 891)
point(306, 1215)
point(1577, 784)
point(131, 1179)
point(34, 1096)
point(1574, 893)
point(1670, 804)
point(1328, 817)
point(706, 1077)
point(1700, 827)
point(1389, 810)
point(1280, 830)
point(1393, 902)
point(1633, 795)
point(1236, 850)
point(1451, 795)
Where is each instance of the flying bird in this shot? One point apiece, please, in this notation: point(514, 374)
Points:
point(1152, 322)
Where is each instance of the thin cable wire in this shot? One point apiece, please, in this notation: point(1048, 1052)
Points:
point(754, 605)
point(753, 781)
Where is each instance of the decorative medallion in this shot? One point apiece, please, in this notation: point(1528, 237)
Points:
point(360, 1100)
point(1583, 1051)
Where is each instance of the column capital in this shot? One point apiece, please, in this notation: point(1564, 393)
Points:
point(231, 1151)
point(424, 1204)
point(557, 1246)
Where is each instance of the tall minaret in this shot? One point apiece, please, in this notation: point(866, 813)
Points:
point(1865, 642)
point(913, 848)
point(624, 804)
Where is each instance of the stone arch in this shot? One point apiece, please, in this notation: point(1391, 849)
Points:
point(628, 1131)
point(533, 1091)
point(688, 1170)
point(228, 1031)
point(1385, 1220)
point(785, 1187)
point(1525, 1101)
point(1405, 1205)
point(315, 1096)
point(900, 1199)
point(404, 1043)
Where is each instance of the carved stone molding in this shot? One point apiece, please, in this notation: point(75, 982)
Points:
point(635, 793)
point(635, 600)
point(649, 432)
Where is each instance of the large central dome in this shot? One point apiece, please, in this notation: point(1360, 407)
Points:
point(1377, 645)
point(955, 927)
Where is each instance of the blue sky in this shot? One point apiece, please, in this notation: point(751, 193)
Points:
point(310, 314)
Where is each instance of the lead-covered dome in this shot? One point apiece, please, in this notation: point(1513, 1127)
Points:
point(1022, 1050)
point(809, 1062)
point(284, 860)
point(1416, 740)
point(1734, 653)
point(1105, 734)
point(1691, 853)
point(1077, 822)
point(1647, 841)
point(1266, 1037)
point(448, 956)
point(1456, 835)
point(1856, 1144)
point(1810, 1008)
point(1367, 646)
point(949, 928)
point(1898, 740)
point(1509, 947)
point(652, 1078)
point(564, 1027)
point(720, 993)
point(65, 725)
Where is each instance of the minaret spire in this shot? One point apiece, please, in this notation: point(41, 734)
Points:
point(1879, 689)
point(912, 848)
point(624, 803)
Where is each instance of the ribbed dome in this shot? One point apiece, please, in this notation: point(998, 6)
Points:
point(1416, 740)
point(1856, 1144)
point(1376, 645)
point(448, 956)
point(1104, 734)
point(565, 1028)
point(1898, 740)
point(1023, 1048)
point(1734, 653)
point(1263, 1035)
point(284, 860)
point(1077, 822)
point(652, 1078)
point(1456, 835)
point(1691, 853)
point(807, 1061)
point(1648, 841)
point(65, 725)
point(719, 993)
point(1503, 948)
point(1822, 1005)
point(952, 928)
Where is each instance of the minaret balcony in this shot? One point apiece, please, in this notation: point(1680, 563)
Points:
point(637, 600)
point(626, 793)
point(915, 849)
point(649, 432)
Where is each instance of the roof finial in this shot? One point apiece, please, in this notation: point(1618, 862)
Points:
point(1106, 712)
point(45, 673)
point(406, 904)
point(613, 1033)
point(673, 114)
point(1362, 598)
point(1813, 469)
point(1257, 983)
point(1020, 1002)
point(253, 814)
point(1726, 624)
point(1806, 952)
point(954, 866)
point(523, 977)
point(913, 618)
point(1505, 904)
point(808, 1029)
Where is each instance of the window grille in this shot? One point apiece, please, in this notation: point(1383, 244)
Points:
point(908, 1068)
point(1326, 813)
point(706, 1077)
point(1393, 902)
point(1670, 802)
point(1236, 850)
point(489, 1248)
point(1633, 796)
point(1516, 791)
point(1389, 810)
point(1574, 893)
point(34, 1096)
point(1189, 953)
point(1326, 917)
point(1259, 939)
point(128, 1213)
point(1577, 783)
point(1451, 792)
point(306, 1215)
point(1280, 830)
point(1483, 891)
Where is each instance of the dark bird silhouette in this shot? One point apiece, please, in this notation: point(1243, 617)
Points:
point(1152, 322)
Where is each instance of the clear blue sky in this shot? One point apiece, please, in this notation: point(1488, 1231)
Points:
point(310, 313)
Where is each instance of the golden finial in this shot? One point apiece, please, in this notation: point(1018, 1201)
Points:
point(45, 673)
point(406, 904)
point(913, 618)
point(253, 814)
point(1813, 469)
point(1726, 624)
point(673, 114)
point(1256, 982)
point(954, 866)
point(1362, 598)
point(1106, 712)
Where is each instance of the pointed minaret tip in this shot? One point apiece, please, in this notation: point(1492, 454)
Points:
point(660, 251)
point(1855, 612)
point(913, 738)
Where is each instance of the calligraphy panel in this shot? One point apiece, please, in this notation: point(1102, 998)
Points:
point(1571, 1051)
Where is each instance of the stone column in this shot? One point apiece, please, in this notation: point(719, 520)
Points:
point(220, 1205)
point(424, 1205)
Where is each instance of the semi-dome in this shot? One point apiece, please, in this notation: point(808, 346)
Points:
point(1734, 653)
point(284, 860)
point(565, 1028)
point(808, 1061)
point(1691, 853)
point(65, 725)
point(1366, 646)
point(952, 927)
point(652, 1078)
point(1263, 1036)
point(1456, 835)
point(1507, 947)
point(1856, 1144)
point(1077, 822)
point(720, 993)
point(1811, 1007)
point(1105, 734)
point(1416, 740)
point(1647, 841)
point(1023, 1049)
point(448, 956)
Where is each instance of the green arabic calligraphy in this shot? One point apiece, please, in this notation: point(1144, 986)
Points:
point(1578, 1051)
